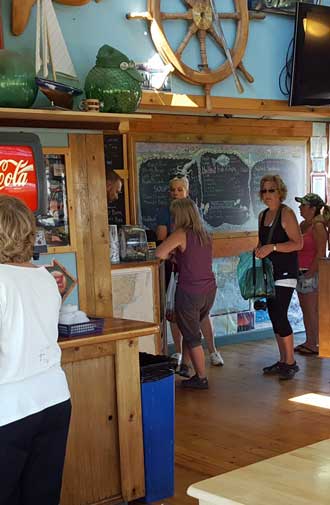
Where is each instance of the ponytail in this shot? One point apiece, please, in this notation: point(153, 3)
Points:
point(326, 214)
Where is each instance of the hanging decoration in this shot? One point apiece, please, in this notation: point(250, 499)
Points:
point(21, 9)
point(204, 22)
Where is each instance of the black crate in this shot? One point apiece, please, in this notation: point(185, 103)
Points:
point(72, 330)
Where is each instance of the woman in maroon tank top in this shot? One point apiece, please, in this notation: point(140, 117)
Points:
point(179, 189)
point(196, 288)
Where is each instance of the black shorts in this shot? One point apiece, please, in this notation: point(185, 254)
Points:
point(190, 310)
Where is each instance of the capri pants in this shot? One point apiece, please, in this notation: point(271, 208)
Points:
point(278, 310)
point(190, 310)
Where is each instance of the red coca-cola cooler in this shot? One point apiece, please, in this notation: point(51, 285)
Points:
point(22, 172)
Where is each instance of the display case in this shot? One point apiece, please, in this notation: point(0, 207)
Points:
point(115, 157)
point(57, 222)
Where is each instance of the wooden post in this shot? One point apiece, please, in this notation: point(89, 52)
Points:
point(324, 313)
point(92, 235)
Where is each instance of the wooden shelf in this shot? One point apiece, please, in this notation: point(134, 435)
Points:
point(153, 101)
point(48, 118)
point(164, 103)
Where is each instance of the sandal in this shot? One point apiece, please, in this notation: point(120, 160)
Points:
point(303, 349)
point(298, 347)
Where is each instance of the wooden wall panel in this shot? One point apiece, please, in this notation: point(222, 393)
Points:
point(129, 419)
point(82, 218)
point(99, 225)
point(92, 237)
point(93, 438)
point(324, 312)
point(233, 246)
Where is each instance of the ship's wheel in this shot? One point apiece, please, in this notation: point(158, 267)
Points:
point(203, 22)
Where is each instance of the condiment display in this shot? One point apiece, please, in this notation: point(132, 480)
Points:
point(133, 243)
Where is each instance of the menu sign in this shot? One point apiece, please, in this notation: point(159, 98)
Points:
point(22, 173)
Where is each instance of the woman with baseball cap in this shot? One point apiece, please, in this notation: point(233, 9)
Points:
point(315, 235)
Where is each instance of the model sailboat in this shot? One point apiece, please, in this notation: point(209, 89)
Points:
point(52, 53)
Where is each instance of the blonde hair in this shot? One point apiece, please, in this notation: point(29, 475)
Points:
point(184, 181)
point(186, 216)
point(280, 185)
point(17, 231)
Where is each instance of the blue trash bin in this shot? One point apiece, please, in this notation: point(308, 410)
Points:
point(157, 397)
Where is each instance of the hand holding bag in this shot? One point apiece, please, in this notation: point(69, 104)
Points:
point(255, 276)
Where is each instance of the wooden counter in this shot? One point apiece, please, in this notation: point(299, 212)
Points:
point(298, 477)
point(104, 460)
point(135, 264)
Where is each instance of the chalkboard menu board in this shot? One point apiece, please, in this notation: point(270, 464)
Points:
point(116, 210)
point(113, 153)
point(224, 179)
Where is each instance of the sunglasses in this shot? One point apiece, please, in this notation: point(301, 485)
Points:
point(264, 191)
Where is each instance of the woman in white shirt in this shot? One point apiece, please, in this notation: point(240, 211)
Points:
point(35, 402)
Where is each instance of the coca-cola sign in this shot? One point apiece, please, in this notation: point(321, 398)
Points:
point(22, 170)
point(18, 174)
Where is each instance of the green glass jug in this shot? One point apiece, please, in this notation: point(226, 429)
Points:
point(114, 81)
point(17, 80)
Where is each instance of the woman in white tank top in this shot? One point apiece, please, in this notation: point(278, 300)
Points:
point(34, 396)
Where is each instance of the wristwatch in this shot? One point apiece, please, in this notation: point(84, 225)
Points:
point(274, 248)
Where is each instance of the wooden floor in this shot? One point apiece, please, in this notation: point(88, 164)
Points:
point(245, 417)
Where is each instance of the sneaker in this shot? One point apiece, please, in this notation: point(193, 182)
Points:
point(184, 370)
point(176, 357)
point(288, 371)
point(216, 359)
point(195, 382)
point(273, 369)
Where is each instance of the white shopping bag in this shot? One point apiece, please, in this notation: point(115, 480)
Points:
point(170, 297)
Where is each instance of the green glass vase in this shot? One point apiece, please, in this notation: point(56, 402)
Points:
point(114, 81)
point(17, 80)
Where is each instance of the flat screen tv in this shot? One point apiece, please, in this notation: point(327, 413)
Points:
point(310, 81)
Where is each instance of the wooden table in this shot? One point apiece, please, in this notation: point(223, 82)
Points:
point(300, 477)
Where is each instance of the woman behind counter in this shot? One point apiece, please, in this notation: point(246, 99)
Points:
point(179, 188)
point(34, 395)
point(196, 288)
point(313, 228)
point(282, 252)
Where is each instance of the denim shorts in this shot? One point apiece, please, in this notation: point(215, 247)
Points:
point(307, 285)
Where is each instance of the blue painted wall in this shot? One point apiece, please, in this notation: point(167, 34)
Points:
point(87, 28)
